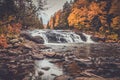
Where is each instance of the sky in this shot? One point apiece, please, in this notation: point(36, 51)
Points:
point(53, 6)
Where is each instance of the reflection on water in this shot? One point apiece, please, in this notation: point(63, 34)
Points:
point(51, 73)
point(78, 59)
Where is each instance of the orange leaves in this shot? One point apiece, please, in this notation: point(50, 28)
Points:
point(3, 41)
point(14, 28)
point(77, 16)
point(10, 18)
point(8, 27)
point(57, 18)
point(94, 9)
point(116, 23)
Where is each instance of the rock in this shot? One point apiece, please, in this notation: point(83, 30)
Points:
point(21, 39)
point(27, 46)
point(37, 39)
point(16, 45)
point(13, 41)
point(83, 37)
point(83, 62)
point(25, 34)
point(59, 55)
point(12, 53)
point(49, 54)
point(9, 46)
point(97, 39)
point(46, 68)
point(40, 73)
point(37, 57)
point(63, 77)
point(56, 60)
point(53, 74)
point(43, 47)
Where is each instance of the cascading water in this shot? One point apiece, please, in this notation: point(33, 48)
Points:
point(61, 36)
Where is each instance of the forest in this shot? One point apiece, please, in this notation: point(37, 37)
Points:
point(17, 15)
point(100, 18)
point(81, 41)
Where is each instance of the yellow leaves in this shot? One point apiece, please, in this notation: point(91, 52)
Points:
point(77, 16)
point(113, 36)
point(10, 18)
point(94, 9)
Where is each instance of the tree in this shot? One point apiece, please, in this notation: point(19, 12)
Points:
point(15, 14)
point(7, 7)
point(63, 22)
point(96, 23)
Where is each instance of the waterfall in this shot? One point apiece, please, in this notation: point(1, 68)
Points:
point(61, 36)
point(89, 40)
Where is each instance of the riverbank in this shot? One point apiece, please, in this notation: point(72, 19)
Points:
point(17, 60)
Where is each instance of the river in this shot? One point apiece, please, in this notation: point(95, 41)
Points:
point(76, 57)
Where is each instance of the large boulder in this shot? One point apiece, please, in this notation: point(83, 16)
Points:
point(36, 39)
point(26, 35)
point(97, 39)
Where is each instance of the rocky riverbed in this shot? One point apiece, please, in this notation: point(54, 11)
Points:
point(28, 59)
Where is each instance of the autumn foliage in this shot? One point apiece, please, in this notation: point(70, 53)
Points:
point(97, 16)
point(8, 28)
point(3, 41)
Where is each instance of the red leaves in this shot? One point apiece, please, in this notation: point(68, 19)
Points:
point(14, 28)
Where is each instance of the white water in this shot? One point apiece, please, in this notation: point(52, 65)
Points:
point(61, 36)
point(49, 74)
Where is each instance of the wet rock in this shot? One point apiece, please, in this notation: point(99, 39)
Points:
point(9, 46)
point(49, 54)
point(83, 62)
point(63, 77)
point(37, 57)
point(13, 41)
point(97, 39)
point(46, 68)
point(21, 39)
point(53, 74)
point(16, 45)
point(38, 39)
point(25, 34)
point(56, 60)
point(43, 47)
point(12, 53)
point(27, 46)
point(83, 37)
point(40, 73)
point(58, 56)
